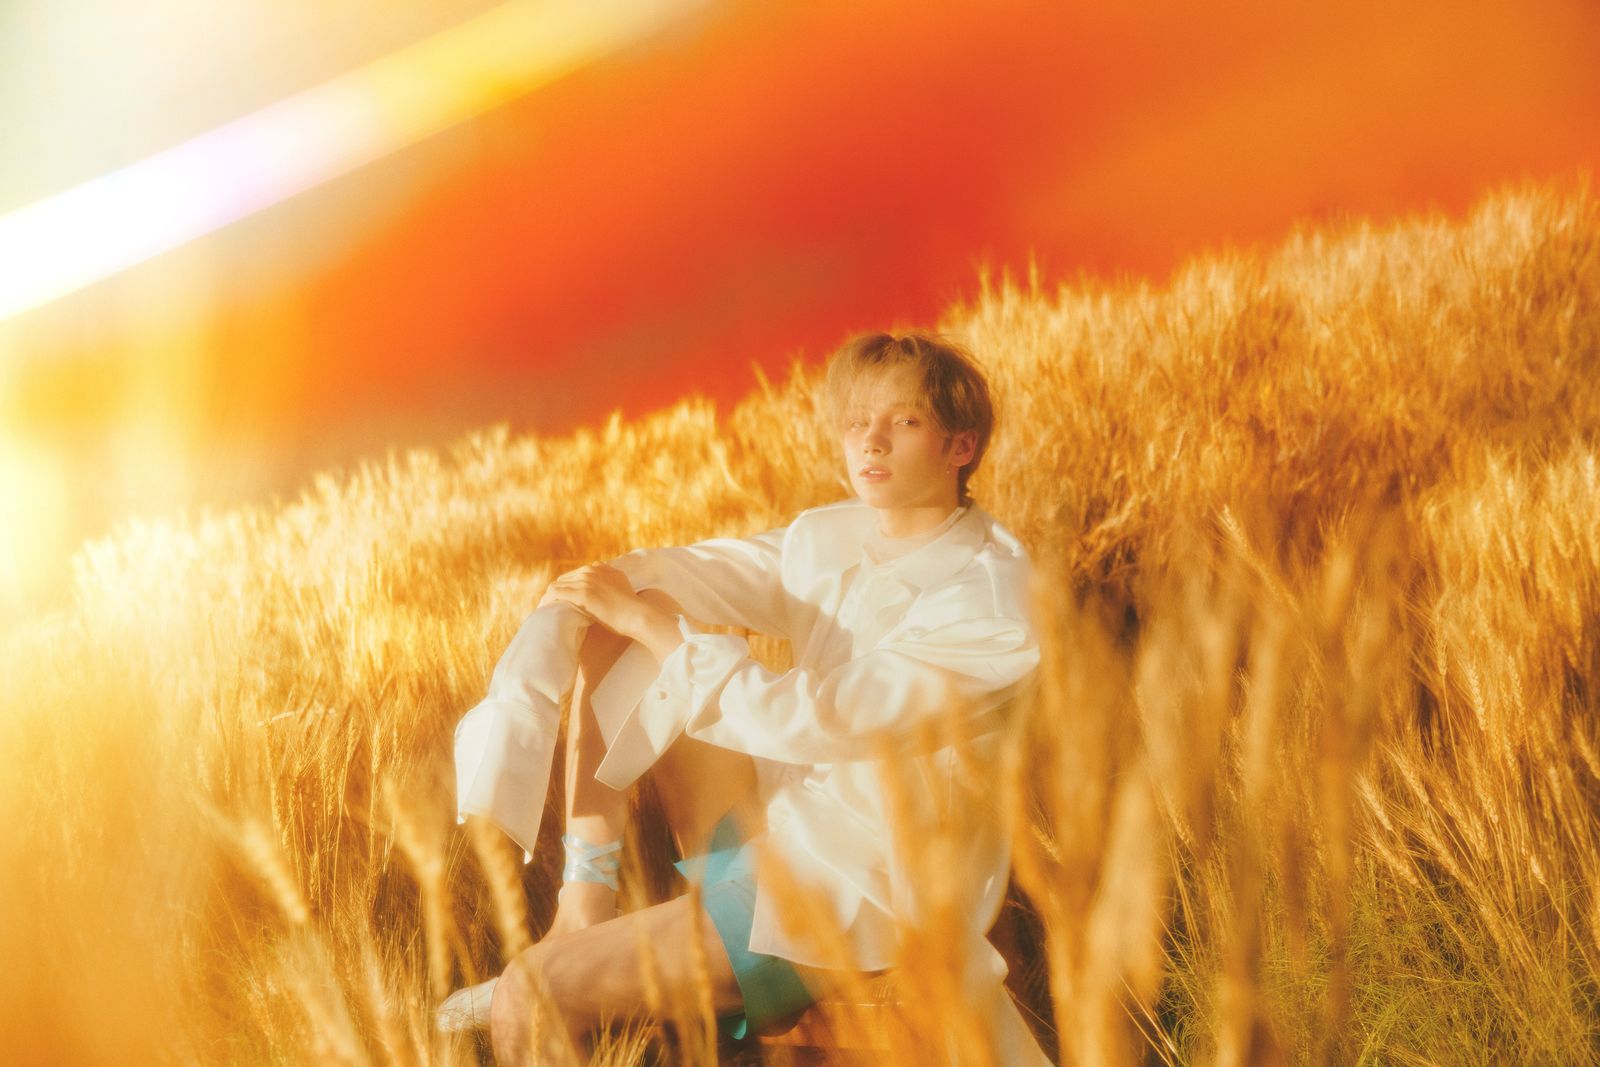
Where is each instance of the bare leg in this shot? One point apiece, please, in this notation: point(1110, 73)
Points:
point(588, 959)
point(597, 972)
point(699, 783)
point(595, 812)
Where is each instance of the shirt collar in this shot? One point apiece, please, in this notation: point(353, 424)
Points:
point(849, 522)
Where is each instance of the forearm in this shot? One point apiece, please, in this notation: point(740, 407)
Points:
point(901, 696)
point(656, 629)
point(722, 581)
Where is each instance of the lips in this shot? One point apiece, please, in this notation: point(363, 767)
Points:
point(873, 473)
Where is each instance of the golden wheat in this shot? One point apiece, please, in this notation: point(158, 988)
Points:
point(1310, 775)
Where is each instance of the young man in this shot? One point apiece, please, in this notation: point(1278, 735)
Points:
point(901, 603)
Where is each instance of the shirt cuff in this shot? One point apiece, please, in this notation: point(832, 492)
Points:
point(504, 750)
point(674, 681)
point(695, 672)
point(689, 679)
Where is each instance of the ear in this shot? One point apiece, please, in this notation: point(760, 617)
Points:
point(962, 447)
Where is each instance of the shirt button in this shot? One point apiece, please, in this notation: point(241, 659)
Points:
point(661, 694)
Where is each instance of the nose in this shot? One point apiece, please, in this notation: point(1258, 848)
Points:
point(874, 440)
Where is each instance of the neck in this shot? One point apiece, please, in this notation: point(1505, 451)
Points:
point(908, 522)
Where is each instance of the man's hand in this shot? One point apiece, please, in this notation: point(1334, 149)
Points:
point(601, 592)
point(604, 593)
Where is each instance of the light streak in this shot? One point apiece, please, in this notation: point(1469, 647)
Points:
point(67, 241)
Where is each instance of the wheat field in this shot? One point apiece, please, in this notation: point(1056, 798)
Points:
point(1311, 775)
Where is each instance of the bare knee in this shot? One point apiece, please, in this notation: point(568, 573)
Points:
point(511, 1019)
point(600, 648)
point(529, 1010)
point(660, 599)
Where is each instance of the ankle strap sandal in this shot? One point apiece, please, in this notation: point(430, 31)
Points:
point(590, 863)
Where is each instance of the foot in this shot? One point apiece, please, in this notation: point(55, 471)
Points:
point(466, 1010)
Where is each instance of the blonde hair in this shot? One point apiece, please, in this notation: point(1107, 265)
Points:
point(953, 386)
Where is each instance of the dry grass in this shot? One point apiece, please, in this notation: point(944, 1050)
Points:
point(1311, 776)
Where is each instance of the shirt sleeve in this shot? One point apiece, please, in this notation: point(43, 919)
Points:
point(723, 581)
point(940, 658)
point(505, 745)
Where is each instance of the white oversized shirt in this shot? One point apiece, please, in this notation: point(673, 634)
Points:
point(881, 647)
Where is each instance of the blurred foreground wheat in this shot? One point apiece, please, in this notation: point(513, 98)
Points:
point(1312, 775)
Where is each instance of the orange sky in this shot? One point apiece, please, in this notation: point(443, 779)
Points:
point(765, 181)
point(652, 226)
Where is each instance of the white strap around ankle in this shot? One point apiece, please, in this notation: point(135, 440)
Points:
point(590, 863)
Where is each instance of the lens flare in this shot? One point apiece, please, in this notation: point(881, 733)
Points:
point(79, 236)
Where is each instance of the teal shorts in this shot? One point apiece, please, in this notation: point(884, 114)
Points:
point(770, 985)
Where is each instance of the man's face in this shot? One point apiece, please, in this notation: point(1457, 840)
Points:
point(895, 455)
